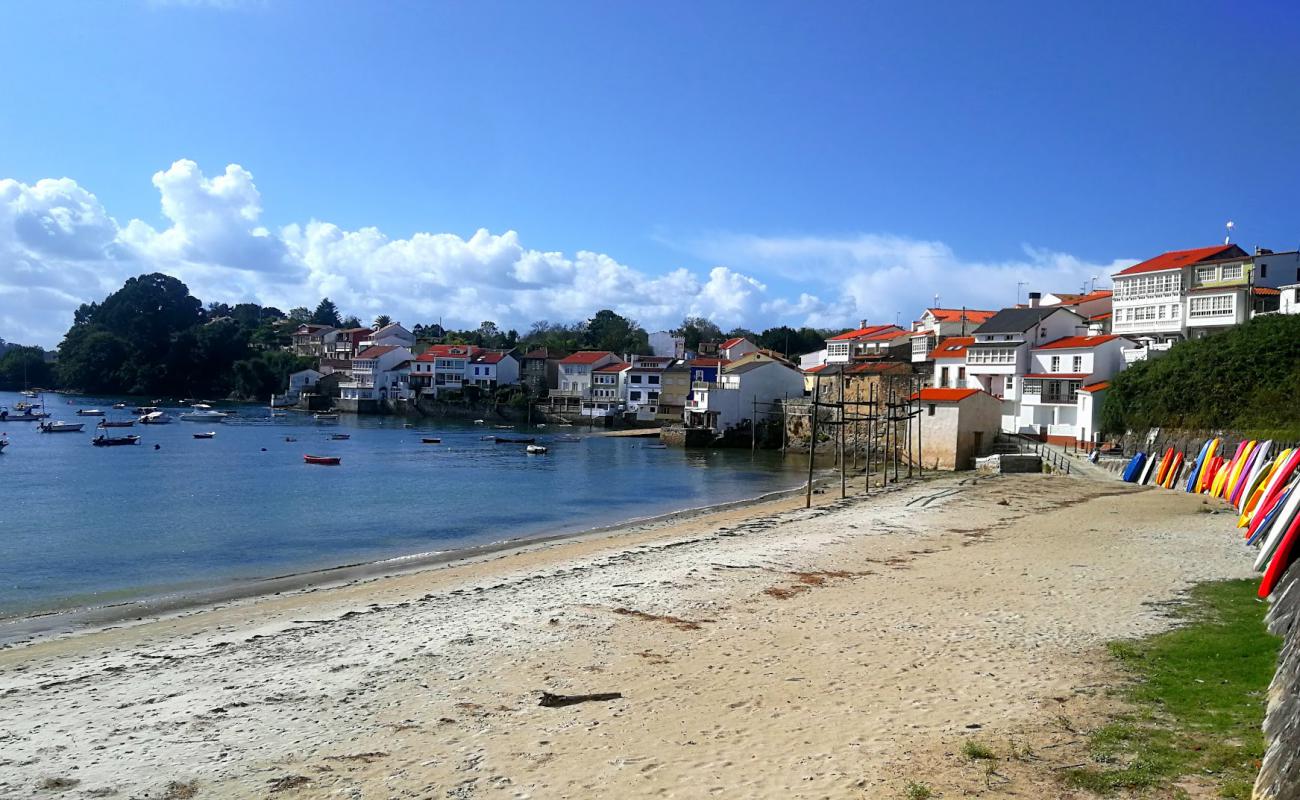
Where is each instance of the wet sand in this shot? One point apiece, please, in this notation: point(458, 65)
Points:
point(764, 651)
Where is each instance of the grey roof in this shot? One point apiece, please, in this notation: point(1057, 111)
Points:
point(1017, 320)
point(747, 367)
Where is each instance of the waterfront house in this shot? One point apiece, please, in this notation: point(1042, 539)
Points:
point(391, 334)
point(937, 324)
point(575, 372)
point(304, 380)
point(742, 389)
point(861, 381)
point(706, 369)
point(539, 370)
point(492, 368)
point(1050, 400)
point(956, 426)
point(377, 375)
point(675, 388)
point(442, 368)
point(1001, 354)
point(845, 347)
point(347, 343)
point(1091, 396)
point(949, 359)
point(643, 382)
point(608, 389)
point(667, 344)
point(309, 341)
point(733, 349)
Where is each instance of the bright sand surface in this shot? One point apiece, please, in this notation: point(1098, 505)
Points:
point(768, 651)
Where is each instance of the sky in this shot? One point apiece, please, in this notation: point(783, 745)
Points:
point(759, 163)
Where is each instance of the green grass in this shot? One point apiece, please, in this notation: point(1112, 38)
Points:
point(977, 751)
point(1197, 702)
point(918, 791)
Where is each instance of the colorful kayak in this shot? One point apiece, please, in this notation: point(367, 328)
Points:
point(1257, 493)
point(1277, 529)
point(1280, 480)
point(1197, 464)
point(1209, 467)
point(1286, 553)
point(1259, 462)
point(1134, 467)
point(1174, 471)
point(1244, 452)
point(1165, 463)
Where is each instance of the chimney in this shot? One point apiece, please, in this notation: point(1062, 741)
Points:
point(862, 323)
point(1034, 298)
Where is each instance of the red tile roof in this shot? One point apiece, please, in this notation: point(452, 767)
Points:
point(710, 362)
point(1176, 259)
point(954, 314)
point(816, 369)
point(1076, 342)
point(731, 343)
point(860, 333)
point(946, 395)
point(871, 367)
point(885, 336)
point(1077, 299)
point(952, 347)
point(376, 351)
point(543, 352)
point(490, 357)
point(586, 357)
point(449, 351)
point(1095, 387)
point(1060, 376)
point(617, 366)
point(1267, 291)
point(1102, 315)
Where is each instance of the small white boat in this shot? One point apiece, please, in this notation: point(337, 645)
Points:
point(536, 449)
point(205, 435)
point(3, 444)
point(144, 409)
point(154, 418)
point(203, 415)
point(119, 405)
point(28, 393)
point(89, 412)
point(116, 423)
point(62, 427)
point(325, 417)
point(479, 422)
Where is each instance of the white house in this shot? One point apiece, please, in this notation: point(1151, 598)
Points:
point(377, 375)
point(740, 390)
point(1050, 400)
point(311, 340)
point(1000, 355)
point(1091, 396)
point(492, 368)
point(937, 324)
point(391, 334)
point(643, 382)
point(575, 372)
point(605, 398)
point(733, 349)
point(956, 426)
point(843, 348)
point(442, 368)
point(1289, 301)
point(667, 344)
point(299, 382)
point(949, 360)
point(808, 361)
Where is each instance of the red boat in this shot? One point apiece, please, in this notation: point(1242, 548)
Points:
point(329, 461)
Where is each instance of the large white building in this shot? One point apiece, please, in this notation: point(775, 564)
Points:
point(1050, 401)
point(378, 373)
point(576, 370)
point(739, 391)
point(937, 324)
point(844, 347)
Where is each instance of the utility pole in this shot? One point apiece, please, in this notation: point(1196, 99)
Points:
point(812, 439)
point(785, 420)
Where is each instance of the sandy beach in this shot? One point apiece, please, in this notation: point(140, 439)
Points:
point(764, 651)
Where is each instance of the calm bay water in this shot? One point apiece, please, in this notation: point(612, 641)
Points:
point(83, 525)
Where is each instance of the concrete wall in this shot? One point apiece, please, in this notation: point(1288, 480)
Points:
point(957, 433)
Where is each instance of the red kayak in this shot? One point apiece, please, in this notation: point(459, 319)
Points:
point(329, 461)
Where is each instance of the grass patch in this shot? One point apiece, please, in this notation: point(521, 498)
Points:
point(1198, 700)
point(977, 751)
point(918, 791)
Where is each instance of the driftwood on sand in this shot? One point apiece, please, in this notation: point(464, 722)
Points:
point(557, 700)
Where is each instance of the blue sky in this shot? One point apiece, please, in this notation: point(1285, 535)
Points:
point(850, 159)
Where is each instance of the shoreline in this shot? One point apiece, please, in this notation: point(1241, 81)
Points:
point(28, 629)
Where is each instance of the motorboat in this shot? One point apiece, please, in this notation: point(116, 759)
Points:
point(25, 416)
point(338, 437)
point(513, 439)
point(536, 450)
point(62, 427)
point(89, 412)
point(3, 444)
point(205, 435)
point(430, 440)
point(116, 423)
point(326, 461)
point(203, 415)
point(479, 422)
point(325, 416)
point(154, 418)
point(28, 393)
point(144, 409)
point(104, 440)
point(119, 405)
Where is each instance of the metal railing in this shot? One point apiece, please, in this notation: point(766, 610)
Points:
point(1031, 446)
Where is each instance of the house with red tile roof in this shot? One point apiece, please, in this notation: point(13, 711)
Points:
point(493, 368)
point(575, 373)
point(949, 359)
point(442, 368)
point(379, 374)
point(734, 349)
point(1051, 405)
point(745, 387)
point(869, 341)
point(936, 324)
point(956, 426)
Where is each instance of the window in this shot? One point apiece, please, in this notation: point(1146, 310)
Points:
point(1213, 306)
point(634, 396)
point(1001, 355)
point(932, 409)
point(1231, 272)
point(1263, 270)
point(1056, 364)
point(961, 376)
point(635, 379)
point(1010, 383)
point(1076, 364)
point(1207, 274)
point(652, 379)
point(943, 376)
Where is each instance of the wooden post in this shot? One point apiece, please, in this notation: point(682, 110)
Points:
point(910, 382)
point(753, 427)
point(844, 467)
point(920, 410)
point(812, 437)
point(893, 411)
point(871, 432)
point(785, 420)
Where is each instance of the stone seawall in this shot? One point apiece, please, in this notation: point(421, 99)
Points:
point(1279, 775)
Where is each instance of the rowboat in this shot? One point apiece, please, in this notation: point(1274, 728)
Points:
point(119, 405)
point(327, 461)
point(513, 440)
point(116, 423)
point(28, 393)
point(114, 441)
point(205, 435)
point(339, 437)
point(89, 412)
point(535, 449)
point(431, 440)
point(62, 427)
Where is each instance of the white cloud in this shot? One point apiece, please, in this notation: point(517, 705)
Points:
point(60, 247)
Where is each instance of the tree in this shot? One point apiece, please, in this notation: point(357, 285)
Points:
point(300, 315)
point(698, 329)
point(610, 331)
point(24, 367)
point(327, 313)
point(91, 359)
point(742, 333)
point(351, 321)
point(382, 320)
point(489, 335)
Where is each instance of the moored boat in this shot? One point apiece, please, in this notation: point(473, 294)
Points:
point(325, 416)
point(89, 412)
point(116, 423)
point(3, 444)
point(327, 461)
point(103, 440)
point(205, 435)
point(26, 416)
point(155, 418)
point(536, 449)
point(513, 439)
point(119, 405)
point(430, 440)
point(61, 427)
point(339, 437)
point(144, 409)
point(203, 415)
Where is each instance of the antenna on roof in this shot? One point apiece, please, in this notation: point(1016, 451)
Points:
point(1228, 239)
point(936, 301)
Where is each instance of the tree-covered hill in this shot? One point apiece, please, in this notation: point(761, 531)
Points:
point(1245, 379)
